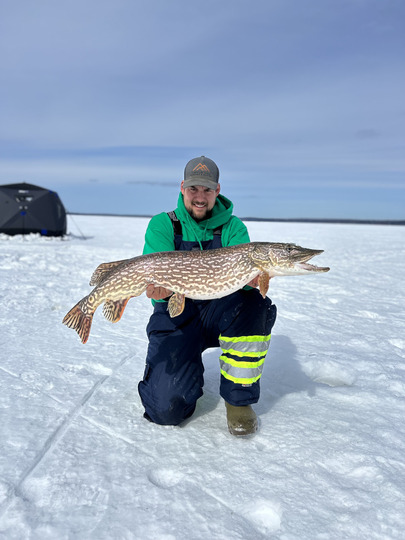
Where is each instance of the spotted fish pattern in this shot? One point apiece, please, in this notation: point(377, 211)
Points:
point(199, 275)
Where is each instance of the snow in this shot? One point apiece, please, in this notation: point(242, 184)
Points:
point(78, 461)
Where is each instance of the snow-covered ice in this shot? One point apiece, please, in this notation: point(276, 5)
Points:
point(78, 461)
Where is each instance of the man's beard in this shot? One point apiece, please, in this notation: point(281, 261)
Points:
point(207, 215)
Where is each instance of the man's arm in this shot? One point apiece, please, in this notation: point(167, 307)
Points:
point(235, 233)
point(158, 237)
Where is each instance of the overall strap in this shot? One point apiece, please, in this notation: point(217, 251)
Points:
point(178, 231)
point(179, 244)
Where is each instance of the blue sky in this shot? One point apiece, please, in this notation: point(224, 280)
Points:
point(300, 103)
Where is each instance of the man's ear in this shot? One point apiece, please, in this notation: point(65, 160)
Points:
point(182, 187)
point(218, 190)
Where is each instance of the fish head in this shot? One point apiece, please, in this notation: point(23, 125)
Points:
point(285, 259)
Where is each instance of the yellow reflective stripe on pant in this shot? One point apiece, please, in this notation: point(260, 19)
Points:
point(243, 357)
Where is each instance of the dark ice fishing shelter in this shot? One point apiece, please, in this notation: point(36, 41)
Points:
point(25, 208)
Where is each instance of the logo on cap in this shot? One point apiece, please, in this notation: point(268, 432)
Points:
point(201, 167)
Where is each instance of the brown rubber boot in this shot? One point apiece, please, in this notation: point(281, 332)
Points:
point(241, 420)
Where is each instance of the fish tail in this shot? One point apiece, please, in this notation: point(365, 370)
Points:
point(80, 321)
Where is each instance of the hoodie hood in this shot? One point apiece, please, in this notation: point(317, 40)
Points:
point(203, 230)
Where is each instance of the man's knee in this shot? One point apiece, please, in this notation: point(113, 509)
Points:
point(166, 412)
point(170, 398)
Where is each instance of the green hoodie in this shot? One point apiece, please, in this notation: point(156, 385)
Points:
point(159, 234)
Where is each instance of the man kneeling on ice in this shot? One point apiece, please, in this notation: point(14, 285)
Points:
point(240, 323)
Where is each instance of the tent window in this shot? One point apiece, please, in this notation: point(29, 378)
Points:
point(23, 198)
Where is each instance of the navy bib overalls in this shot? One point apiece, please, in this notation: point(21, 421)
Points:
point(240, 324)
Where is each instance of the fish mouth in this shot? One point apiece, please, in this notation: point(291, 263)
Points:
point(304, 265)
point(311, 267)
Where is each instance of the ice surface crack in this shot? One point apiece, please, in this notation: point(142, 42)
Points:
point(55, 437)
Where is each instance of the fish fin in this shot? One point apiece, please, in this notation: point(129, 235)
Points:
point(113, 310)
point(176, 304)
point(102, 270)
point(80, 321)
point(264, 279)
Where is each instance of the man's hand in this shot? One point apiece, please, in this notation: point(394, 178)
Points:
point(254, 282)
point(157, 293)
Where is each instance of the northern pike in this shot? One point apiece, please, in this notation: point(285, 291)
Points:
point(199, 275)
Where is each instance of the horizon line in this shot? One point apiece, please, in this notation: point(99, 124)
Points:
point(289, 220)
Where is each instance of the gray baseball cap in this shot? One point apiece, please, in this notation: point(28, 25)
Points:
point(201, 171)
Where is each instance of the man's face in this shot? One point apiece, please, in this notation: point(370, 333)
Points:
point(199, 200)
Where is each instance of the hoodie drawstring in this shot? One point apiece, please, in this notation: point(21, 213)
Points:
point(192, 225)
